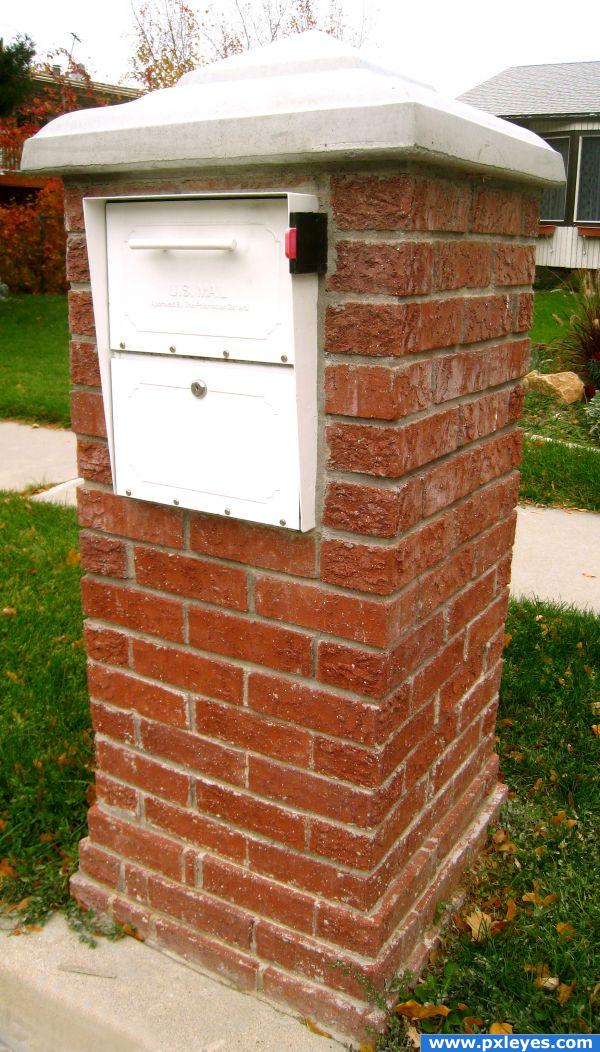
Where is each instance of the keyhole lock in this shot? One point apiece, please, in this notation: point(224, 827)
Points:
point(199, 389)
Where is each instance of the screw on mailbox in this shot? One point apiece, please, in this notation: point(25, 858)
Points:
point(199, 389)
point(284, 357)
point(228, 511)
point(127, 492)
point(226, 354)
point(122, 345)
point(172, 350)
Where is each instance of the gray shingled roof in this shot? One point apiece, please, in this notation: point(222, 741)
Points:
point(565, 87)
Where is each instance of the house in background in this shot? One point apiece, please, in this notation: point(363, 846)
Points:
point(561, 102)
point(50, 90)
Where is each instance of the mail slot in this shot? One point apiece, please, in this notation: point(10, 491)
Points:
point(206, 316)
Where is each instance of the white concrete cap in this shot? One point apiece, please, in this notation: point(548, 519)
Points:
point(306, 98)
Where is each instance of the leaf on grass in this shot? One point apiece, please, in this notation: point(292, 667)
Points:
point(564, 991)
point(9, 611)
point(511, 910)
point(73, 557)
point(471, 1021)
point(539, 851)
point(565, 930)
point(414, 1010)
point(480, 925)
point(2, 824)
point(128, 929)
point(596, 730)
point(595, 707)
point(501, 1028)
point(316, 1029)
point(506, 643)
point(6, 870)
point(413, 1035)
point(540, 971)
point(537, 899)
point(548, 982)
point(366, 1046)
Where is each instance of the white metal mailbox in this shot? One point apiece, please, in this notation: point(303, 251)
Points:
point(207, 341)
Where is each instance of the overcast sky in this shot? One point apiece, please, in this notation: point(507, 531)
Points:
point(452, 45)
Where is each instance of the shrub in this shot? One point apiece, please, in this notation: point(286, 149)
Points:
point(579, 348)
point(32, 242)
point(592, 412)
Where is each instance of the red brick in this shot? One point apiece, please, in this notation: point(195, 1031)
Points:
point(93, 461)
point(112, 722)
point(202, 675)
point(77, 260)
point(391, 452)
point(514, 264)
point(470, 602)
point(406, 202)
point(495, 543)
point(201, 912)
point(297, 953)
point(98, 864)
point(218, 958)
point(531, 215)
point(87, 414)
point(107, 645)
point(250, 640)
point(133, 609)
point(471, 371)
point(73, 196)
point(446, 579)
point(127, 691)
point(84, 364)
point(193, 752)
point(451, 480)
point(143, 772)
point(483, 628)
point(115, 794)
point(523, 311)
point(81, 314)
point(376, 392)
point(391, 330)
point(251, 813)
point(271, 549)
point(140, 845)
point(487, 317)
point(196, 829)
point(130, 518)
point(363, 620)
point(358, 670)
point(197, 578)
point(330, 1008)
point(484, 508)
point(462, 264)
point(483, 415)
point(352, 764)
point(103, 555)
point(315, 875)
point(402, 269)
point(313, 707)
point(371, 511)
point(258, 894)
point(496, 211)
point(309, 792)
point(249, 730)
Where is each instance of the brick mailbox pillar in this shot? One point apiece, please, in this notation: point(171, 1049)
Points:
point(295, 731)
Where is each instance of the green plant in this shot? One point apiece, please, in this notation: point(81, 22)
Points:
point(592, 412)
point(579, 348)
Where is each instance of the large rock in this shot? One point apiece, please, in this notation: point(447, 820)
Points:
point(565, 387)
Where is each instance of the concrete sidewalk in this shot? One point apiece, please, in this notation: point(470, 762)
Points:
point(58, 995)
point(39, 456)
point(557, 556)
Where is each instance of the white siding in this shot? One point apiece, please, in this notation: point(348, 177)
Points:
point(567, 249)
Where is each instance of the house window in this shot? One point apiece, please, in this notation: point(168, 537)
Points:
point(553, 200)
point(588, 193)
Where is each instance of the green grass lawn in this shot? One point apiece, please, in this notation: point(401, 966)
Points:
point(550, 306)
point(537, 883)
point(34, 359)
point(556, 475)
point(45, 736)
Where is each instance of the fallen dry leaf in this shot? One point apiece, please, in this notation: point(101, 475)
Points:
point(550, 982)
point(564, 991)
point(565, 930)
point(9, 611)
point(73, 557)
point(501, 1028)
point(6, 870)
point(366, 1046)
point(596, 729)
point(470, 1022)
point(540, 971)
point(316, 1029)
point(511, 910)
point(414, 1010)
point(480, 925)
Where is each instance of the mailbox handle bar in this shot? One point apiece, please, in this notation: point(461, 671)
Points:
point(208, 245)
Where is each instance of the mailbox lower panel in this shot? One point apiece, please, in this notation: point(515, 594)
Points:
point(232, 450)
